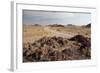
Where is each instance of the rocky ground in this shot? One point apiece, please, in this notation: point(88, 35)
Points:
point(56, 48)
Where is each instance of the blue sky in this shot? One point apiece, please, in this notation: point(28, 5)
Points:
point(50, 17)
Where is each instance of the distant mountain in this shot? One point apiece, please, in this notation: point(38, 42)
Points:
point(70, 25)
point(56, 25)
point(88, 25)
point(37, 25)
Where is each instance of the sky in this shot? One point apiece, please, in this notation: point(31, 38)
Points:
point(51, 17)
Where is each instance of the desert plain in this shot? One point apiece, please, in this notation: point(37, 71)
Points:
point(56, 42)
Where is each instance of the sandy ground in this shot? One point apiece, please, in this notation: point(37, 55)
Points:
point(58, 34)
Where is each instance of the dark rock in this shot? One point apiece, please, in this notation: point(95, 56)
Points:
point(81, 39)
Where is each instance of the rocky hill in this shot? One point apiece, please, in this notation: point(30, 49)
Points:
point(57, 49)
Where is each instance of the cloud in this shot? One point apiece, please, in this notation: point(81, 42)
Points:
point(50, 17)
point(46, 14)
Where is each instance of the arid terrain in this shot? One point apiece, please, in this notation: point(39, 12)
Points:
point(56, 42)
